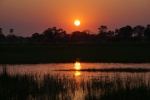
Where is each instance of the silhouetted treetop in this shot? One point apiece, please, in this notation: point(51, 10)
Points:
point(139, 31)
point(11, 31)
point(125, 32)
point(102, 29)
point(54, 34)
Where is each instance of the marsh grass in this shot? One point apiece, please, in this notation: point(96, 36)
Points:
point(61, 87)
point(129, 88)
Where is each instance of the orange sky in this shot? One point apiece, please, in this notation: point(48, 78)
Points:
point(29, 16)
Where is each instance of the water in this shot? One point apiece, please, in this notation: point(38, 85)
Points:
point(81, 85)
point(52, 68)
point(44, 68)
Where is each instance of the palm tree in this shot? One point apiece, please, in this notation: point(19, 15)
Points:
point(102, 29)
point(11, 31)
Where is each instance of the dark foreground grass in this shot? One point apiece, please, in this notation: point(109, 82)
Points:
point(60, 87)
point(87, 52)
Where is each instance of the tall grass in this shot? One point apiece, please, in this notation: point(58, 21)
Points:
point(61, 87)
point(129, 88)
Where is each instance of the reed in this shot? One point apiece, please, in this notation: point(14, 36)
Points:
point(62, 87)
point(129, 88)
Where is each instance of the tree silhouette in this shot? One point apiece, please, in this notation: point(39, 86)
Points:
point(11, 38)
point(59, 35)
point(102, 29)
point(11, 31)
point(78, 36)
point(102, 35)
point(0, 30)
point(48, 35)
point(36, 37)
point(2, 36)
point(54, 35)
point(139, 31)
point(147, 32)
point(125, 33)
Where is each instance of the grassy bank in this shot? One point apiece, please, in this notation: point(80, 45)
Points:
point(60, 53)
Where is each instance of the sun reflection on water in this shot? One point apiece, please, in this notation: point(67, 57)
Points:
point(77, 66)
point(77, 73)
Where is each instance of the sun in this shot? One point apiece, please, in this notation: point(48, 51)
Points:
point(76, 22)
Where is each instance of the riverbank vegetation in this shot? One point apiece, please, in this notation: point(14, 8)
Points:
point(122, 52)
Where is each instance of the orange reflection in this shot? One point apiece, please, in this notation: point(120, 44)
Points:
point(77, 73)
point(77, 66)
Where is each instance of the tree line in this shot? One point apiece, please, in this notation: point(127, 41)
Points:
point(50, 35)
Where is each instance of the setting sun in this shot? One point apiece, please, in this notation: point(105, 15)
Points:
point(76, 22)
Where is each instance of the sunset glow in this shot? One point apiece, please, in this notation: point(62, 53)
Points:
point(29, 16)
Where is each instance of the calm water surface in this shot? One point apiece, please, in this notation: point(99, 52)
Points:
point(43, 69)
